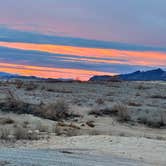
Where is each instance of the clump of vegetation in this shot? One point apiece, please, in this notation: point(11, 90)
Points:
point(55, 111)
point(100, 101)
point(31, 86)
point(16, 106)
point(50, 90)
point(65, 129)
point(19, 83)
point(21, 133)
point(90, 123)
point(158, 97)
point(152, 122)
point(41, 127)
point(4, 120)
point(4, 133)
point(141, 86)
point(103, 112)
point(122, 112)
point(132, 103)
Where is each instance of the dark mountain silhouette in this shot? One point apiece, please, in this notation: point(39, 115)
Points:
point(151, 75)
point(9, 76)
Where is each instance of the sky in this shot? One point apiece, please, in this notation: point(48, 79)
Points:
point(81, 38)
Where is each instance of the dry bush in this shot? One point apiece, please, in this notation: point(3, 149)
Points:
point(66, 129)
point(154, 123)
point(21, 133)
point(41, 127)
point(141, 86)
point(158, 97)
point(4, 120)
point(90, 123)
point(4, 133)
point(94, 132)
point(132, 103)
point(16, 106)
point(19, 83)
point(100, 101)
point(63, 90)
point(51, 90)
point(122, 112)
point(103, 112)
point(31, 86)
point(55, 111)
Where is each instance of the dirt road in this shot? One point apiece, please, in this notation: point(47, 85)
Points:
point(20, 157)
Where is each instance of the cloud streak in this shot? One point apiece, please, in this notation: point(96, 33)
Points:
point(144, 58)
point(48, 72)
point(30, 53)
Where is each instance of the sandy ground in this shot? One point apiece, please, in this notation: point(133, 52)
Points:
point(108, 136)
point(141, 149)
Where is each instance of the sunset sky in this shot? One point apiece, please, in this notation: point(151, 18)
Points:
point(80, 38)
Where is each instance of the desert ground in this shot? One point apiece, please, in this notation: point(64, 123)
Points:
point(121, 119)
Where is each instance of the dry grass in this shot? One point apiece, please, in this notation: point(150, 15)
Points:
point(132, 103)
point(100, 101)
point(158, 96)
point(65, 129)
point(122, 112)
point(31, 86)
point(154, 123)
point(142, 86)
point(103, 112)
point(54, 111)
point(21, 133)
point(4, 133)
point(4, 120)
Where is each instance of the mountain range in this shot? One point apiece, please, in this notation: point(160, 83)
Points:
point(151, 75)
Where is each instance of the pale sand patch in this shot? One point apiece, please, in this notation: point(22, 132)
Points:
point(147, 150)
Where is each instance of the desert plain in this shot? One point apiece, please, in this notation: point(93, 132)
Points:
point(121, 119)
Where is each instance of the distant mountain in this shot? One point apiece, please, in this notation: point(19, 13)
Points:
point(9, 76)
point(151, 75)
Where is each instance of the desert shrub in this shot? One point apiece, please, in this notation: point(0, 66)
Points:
point(66, 129)
point(102, 112)
point(100, 101)
point(90, 123)
point(21, 133)
point(152, 122)
point(94, 132)
point(31, 86)
point(41, 127)
point(4, 133)
point(25, 124)
point(158, 97)
point(141, 86)
point(16, 106)
point(7, 120)
point(132, 103)
point(55, 111)
point(19, 84)
point(122, 112)
point(50, 90)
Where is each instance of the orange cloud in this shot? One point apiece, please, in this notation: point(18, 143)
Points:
point(48, 72)
point(145, 58)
